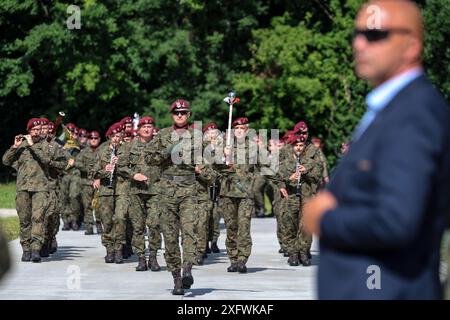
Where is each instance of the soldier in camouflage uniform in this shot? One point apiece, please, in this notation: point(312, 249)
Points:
point(236, 199)
point(300, 174)
point(29, 156)
point(144, 200)
point(85, 163)
point(319, 146)
point(102, 172)
point(179, 193)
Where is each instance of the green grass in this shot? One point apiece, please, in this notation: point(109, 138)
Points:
point(10, 227)
point(8, 196)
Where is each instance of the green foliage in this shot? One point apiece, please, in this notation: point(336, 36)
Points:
point(10, 227)
point(288, 60)
point(8, 196)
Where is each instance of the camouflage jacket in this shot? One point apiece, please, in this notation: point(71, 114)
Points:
point(121, 185)
point(309, 158)
point(32, 165)
point(134, 162)
point(323, 160)
point(58, 163)
point(85, 162)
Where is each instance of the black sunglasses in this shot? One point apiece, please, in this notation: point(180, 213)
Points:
point(178, 113)
point(374, 35)
point(93, 138)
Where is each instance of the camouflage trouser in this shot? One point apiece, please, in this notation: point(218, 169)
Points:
point(203, 214)
point(145, 210)
point(31, 208)
point(87, 193)
point(51, 219)
point(279, 206)
point(237, 214)
point(258, 191)
point(120, 220)
point(106, 211)
point(64, 200)
point(294, 236)
point(76, 207)
point(214, 224)
point(180, 212)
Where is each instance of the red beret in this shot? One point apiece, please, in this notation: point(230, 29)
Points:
point(240, 121)
point(179, 105)
point(300, 126)
point(146, 120)
point(94, 134)
point(83, 132)
point(297, 138)
point(209, 126)
point(71, 127)
point(44, 121)
point(115, 128)
point(126, 120)
point(33, 122)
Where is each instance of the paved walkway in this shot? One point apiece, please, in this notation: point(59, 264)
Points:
point(8, 213)
point(268, 277)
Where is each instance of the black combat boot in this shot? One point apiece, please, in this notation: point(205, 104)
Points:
point(66, 226)
point(35, 256)
point(285, 254)
point(109, 258)
point(45, 250)
point(75, 226)
point(54, 246)
point(142, 264)
point(305, 261)
point(26, 256)
point(207, 249)
point(89, 230)
point(241, 267)
point(214, 247)
point(153, 263)
point(293, 260)
point(281, 250)
point(99, 228)
point(187, 278)
point(178, 284)
point(232, 267)
point(118, 257)
point(309, 254)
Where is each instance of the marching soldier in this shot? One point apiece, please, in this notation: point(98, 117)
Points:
point(85, 162)
point(179, 189)
point(319, 145)
point(300, 173)
point(29, 156)
point(237, 203)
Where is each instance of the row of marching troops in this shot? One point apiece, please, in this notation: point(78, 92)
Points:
point(136, 186)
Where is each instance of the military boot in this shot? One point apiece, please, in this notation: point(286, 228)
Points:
point(281, 250)
point(293, 260)
point(35, 256)
point(214, 247)
point(75, 226)
point(118, 257)
point(232, 267)
point(45, 250)
point(89, 230)
point(109, 258)
point(142, 264)
point(305, 261)
point(54, 245)
point(66, 226)
point(178, 284)
point(26, 256)
point(285, 254)
point(99, 228)
point(187, 278)
point(153, 263)
point(207, 249)
point(241, 268)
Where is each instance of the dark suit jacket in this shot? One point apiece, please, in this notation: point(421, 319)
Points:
point(393, 193)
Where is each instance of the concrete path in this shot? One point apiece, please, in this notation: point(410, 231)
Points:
point(78, 271)
point(8, 213)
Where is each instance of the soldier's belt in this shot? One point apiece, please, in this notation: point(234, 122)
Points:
point(179, 179)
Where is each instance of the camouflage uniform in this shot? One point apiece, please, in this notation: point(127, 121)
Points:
point(293, 235)
point(179, 196)
point(32, 190)
point(144, 200)
point(323, 161)
point(85, 164)
point(237, 205)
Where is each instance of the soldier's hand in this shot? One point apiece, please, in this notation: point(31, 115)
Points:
point(302, 169)
point(198, 169)
point(294, 176)
point(140, 177)
point(227, 151)
point(109, 167)
point(17, 141)
point(71, 162)
point(96, 184)
point(284, 193)
point(114, 160)
point(29, 140)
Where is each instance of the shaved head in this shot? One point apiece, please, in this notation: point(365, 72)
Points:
point(378, 61)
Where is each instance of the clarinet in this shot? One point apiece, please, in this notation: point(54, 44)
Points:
point(298, 188)
point(111, 178)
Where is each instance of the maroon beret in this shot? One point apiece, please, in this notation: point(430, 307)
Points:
point(179, 105)
point(145, 120)
point(240, 121)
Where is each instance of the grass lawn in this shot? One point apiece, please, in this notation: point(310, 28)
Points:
point(8, 196)
point(10, 227)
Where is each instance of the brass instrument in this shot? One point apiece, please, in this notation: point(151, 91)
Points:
point(95, 200)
